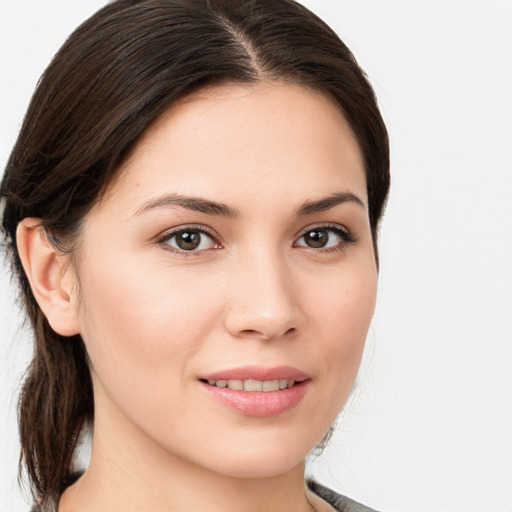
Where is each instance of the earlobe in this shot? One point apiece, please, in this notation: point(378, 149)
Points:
point(50, 276)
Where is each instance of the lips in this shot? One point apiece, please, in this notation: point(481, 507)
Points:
point(256, 391)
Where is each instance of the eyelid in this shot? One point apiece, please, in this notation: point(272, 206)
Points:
point(346, 233)
point(345, 239)
point(168, 233)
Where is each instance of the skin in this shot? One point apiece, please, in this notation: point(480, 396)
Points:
point(154, 319)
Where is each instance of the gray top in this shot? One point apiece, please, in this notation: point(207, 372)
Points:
point(339, 502)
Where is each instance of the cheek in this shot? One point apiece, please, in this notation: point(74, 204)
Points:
point(345, 303)
point(349, 316)
point(342, 315)
point(139, 326)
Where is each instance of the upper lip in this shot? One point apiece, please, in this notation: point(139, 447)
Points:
point(258, 373)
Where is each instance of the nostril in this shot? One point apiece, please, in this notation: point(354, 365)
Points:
point(290, 331)
point(267, 335)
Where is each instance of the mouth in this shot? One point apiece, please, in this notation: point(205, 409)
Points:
point(257, 392)
point(253, 385)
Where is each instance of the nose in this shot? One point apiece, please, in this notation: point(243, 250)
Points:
point(263, 299)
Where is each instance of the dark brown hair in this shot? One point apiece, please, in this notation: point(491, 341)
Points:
point(112, 78)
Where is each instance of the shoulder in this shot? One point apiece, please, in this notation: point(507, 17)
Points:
point(339, 502)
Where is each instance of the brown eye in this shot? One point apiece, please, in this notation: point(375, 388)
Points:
point(325, 237)
point(190, 240)
point(316, 238)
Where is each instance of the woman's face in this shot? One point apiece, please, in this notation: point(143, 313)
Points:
point(234, 250)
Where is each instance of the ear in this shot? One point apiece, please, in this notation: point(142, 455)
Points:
point(51, 277)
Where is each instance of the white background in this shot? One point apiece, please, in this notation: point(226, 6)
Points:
point(429, 428)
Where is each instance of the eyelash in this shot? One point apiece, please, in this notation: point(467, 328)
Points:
point(164, 238)
point(346, 237)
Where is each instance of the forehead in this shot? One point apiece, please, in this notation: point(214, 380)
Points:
point(234, 142)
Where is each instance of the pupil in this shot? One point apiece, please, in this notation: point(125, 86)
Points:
point(188, 240)
point(316, 238)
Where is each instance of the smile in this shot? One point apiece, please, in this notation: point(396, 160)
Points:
point(253, 384)
point(256, 391)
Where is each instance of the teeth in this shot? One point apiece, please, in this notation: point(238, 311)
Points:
point(270, 385)
point(252, 384)
point(235, 384)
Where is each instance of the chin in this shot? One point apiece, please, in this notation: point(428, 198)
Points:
point(258, 467)
point(269, 456)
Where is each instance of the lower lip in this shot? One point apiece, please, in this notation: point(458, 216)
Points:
point(260, 404)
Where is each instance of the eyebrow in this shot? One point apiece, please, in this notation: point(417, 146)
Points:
point(199, 204)
point(327, 203)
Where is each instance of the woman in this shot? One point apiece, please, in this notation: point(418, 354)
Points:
point(192, 210)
